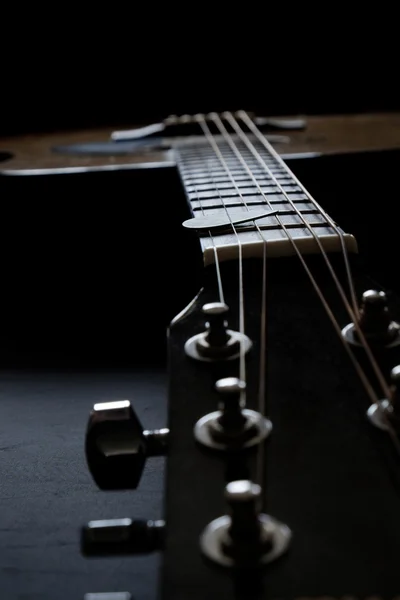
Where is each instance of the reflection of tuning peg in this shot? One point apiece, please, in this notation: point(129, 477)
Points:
point(246, 537)
point(117, 446)
point(387, 412)
point(113, 537)
point(375, 322)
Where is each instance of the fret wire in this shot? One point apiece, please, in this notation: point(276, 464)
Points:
point(278, 205)
point(218, 272)
point(280, 174)
point(266, 146)
point(210, 138)
point(204, 192)
point(368, 387)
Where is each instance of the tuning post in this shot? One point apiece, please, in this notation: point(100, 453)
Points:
point(115, 537)
point(117, 446)
point(217, 342)
point(375, 322)
point(233, 427)
point(386, 412)
point(246, 538)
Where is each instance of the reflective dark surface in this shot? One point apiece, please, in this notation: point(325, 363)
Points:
point(47, 492)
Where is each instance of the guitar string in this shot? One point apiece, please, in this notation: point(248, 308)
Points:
point(211, 139)
point(260, 464)
point(215, 249)
point(356, 364)
point(246, 119)
point(358, 368)
point(354, 316)
point(260, 470)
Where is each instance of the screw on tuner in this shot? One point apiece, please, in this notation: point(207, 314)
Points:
point(117, 446)
point(246, 538)
point(217, 342)
point(233, 427)
point(375, 322)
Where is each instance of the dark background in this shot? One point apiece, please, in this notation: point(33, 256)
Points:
point(78, 67)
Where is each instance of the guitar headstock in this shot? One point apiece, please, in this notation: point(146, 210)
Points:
point(282, 456)
point(322, 470)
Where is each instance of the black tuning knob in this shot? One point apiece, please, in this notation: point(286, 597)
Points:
point(117, 445)
point(115, 537)
point(375, 321)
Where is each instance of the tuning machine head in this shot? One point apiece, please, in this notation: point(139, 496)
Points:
point(233, 427)
point(375, 322)
point(116, 537)
point(386, 413)
point(246, 538)
point(217, 342)
point(117, 445)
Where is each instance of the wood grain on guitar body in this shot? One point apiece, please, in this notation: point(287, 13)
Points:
point(337, 134)
point(279, 484)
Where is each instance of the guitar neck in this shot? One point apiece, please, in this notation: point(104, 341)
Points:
point(235, 179)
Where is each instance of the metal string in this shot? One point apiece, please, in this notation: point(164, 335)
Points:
point(263, 322)
point(246, 119)
point(211, 139)
point(356, 365)
point(215, 249)
point(354, 316)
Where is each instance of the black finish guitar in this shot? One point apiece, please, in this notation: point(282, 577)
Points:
point(283, 455)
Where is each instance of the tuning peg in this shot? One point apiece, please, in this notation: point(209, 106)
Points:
point(386, 413)
point(217, 342)
point(117, 445)
point(375, 321)
point(233, 427)
point(115, 537)
point(217, 335)
point(246, 537)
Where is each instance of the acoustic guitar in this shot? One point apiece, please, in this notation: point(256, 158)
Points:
point(282, 469)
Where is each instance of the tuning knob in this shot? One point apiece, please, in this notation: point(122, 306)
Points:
point(217, 342)
point(375, 321)
point(246, 537)
point(115, 537)
point(386, 413)
point(117, 445)
point(233, 427)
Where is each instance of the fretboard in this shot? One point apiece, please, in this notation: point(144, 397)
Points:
point(230, 185)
